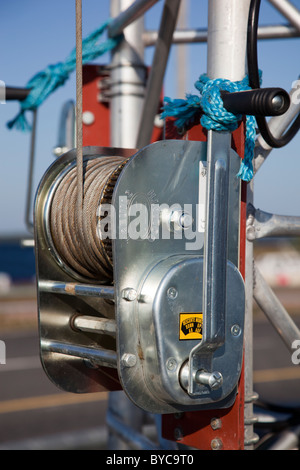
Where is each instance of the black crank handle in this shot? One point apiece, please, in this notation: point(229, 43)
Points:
point(13, 93)
point(257, 102)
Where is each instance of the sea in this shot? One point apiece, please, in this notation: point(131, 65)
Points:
point(17, 262)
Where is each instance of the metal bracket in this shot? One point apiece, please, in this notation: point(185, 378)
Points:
point(157, 279)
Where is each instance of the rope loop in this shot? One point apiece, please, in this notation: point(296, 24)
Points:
point(213, 115)
point(53, 76)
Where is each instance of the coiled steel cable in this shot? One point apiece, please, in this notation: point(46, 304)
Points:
point(77, 237)
point(73, 213)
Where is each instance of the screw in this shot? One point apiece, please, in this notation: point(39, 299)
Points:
point(129, 294)
point(172, 293)
point(216, 423)
point(216, 444)
point(128, 360)
point(236, 330)
point(213, 379)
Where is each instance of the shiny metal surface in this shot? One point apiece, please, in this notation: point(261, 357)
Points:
point(261, 224)
point(73, 288)
point(214, 287)
point(66, 351)
point(166, 275)
point(99, 356)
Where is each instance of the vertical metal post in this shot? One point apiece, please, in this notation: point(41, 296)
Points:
point(28, 209)
point(182, 59)
point(226, 45)
point(128, 79)
point(226, 53)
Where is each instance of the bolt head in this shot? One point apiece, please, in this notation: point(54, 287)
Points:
point(216, 444)
point(128, 360)
point(129, 294)
point(215, 380)
point(216, 423)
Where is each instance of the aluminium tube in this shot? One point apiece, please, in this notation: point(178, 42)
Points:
point(274, 311)
point(199, 35)
point(288, 10)
point(159, 64)
point(128, 16)
point(128, 82)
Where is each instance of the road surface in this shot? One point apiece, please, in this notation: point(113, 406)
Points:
point(35, 413)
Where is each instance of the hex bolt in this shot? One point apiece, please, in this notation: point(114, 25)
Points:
point(128, 360)
point(213, 379)
point(129, 294)
point(216, 444)
point(216, 423)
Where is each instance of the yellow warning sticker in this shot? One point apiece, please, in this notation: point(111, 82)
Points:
point(190, 325)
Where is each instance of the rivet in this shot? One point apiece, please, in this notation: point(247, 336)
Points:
point(235, 330)
point(172, 293)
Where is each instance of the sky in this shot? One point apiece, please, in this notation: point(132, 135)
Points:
point(36, 33)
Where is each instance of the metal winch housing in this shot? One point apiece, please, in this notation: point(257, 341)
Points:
point(141, 325)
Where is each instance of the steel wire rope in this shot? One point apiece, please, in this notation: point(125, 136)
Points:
point(74, 223)
point(81, 247)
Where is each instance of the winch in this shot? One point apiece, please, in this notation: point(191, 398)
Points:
point(143, 292)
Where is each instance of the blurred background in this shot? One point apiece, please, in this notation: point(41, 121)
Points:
point(34, 34)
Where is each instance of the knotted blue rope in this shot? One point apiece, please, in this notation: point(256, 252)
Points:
point(214, 115)
point(47, 81)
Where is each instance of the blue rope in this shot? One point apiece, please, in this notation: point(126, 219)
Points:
point(47, 81)
point(214, 115)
